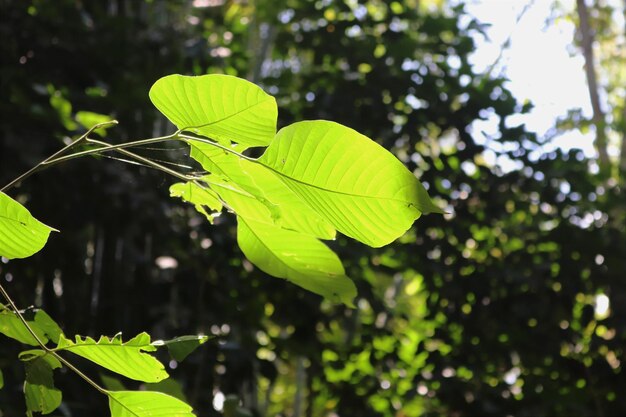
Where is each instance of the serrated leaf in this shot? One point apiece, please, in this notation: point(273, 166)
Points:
point(39, 390)
point(21, 235)
point(128, 359)
point(299, 258)
point(11, 326)
point(242, 181)
point(199, 196)
point(220, 107)
point(354, 183)
point(48, 325)
point(180, 347)
point(146, 404)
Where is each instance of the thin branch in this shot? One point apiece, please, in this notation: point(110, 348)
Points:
point(39, 166)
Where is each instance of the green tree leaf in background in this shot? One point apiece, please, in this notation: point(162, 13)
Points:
point(11, 326)
point(221, 107)
point(128, 359)
point(180, 347)
point(21, 235)
point(41, 395)
point(299, 258)
point(146, 404)
point(358, 186)
point(1, 379)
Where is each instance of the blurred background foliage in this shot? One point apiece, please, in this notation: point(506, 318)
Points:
point(511, 304)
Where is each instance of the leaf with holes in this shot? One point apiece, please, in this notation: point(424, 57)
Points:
point(200, 197)
point(220, 107)
point(146, 404)
point(21, 235)
point(354, 183)
point(128, 359)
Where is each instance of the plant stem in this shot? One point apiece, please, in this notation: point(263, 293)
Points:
point(39, 166)
point(41, 344)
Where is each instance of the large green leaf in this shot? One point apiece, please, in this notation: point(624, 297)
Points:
point(48, 325)
point(358, 186)
point(21, 235)
point(12, 326)
point(39, 391)
point(220, 107)
point(128, 359)
point(146, 404)
point(246, 183)
point(297, 257)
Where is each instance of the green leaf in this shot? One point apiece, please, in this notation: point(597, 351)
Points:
point(182, 346)
point(48, 325)
point(39, 391)
point(299, 258)
point(127, 359)
point(243, 184)
point(21, 235)
point(199, 196)
point(113, 384)
point(1, 379)
point(146, 404)
point(354, 183)
point(11, 326)
point(169, 386)
point(220, 107)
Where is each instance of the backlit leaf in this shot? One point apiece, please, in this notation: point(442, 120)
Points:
point(243, 181)
point(299, 258)
point(220, 107)
point(39, 391)
point(357, 185)
point(128, 359)
point(21, 235)
point(200, 197)
point(146, 404)
point(12, 326)
point(181, 346)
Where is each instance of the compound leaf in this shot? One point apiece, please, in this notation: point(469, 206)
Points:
point(146, 404)
point(297, 257)
point(128, 359)
point(354, 183)
point(220, 107)
point(21, 235)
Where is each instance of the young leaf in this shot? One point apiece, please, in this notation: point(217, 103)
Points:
point(21, 235)
point(353, 182)
point(281, 205)
point(146, 404)
point(198, 196)
point(299, 258)
point(11, 326)
point(220, 107)
point(182, 346)
point(41, 395)
point(127, 359)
